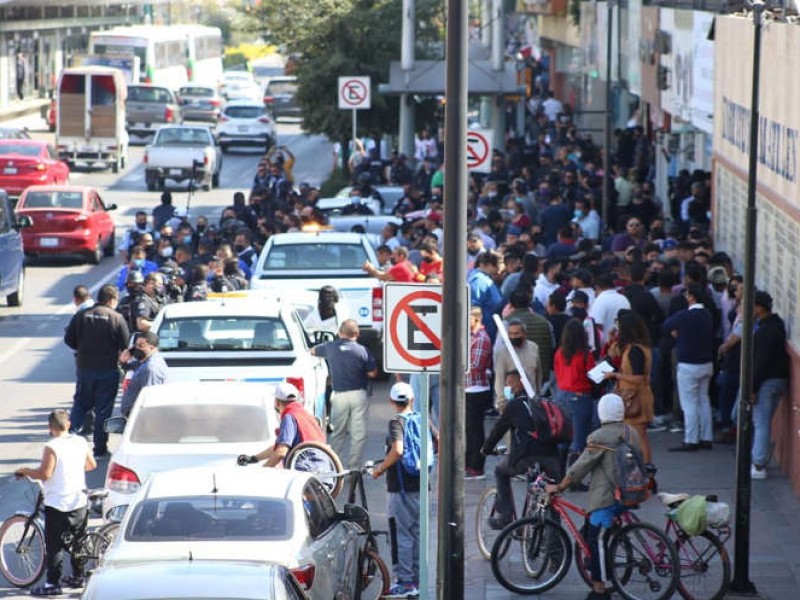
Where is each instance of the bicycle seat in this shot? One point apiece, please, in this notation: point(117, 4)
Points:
point(672, 500)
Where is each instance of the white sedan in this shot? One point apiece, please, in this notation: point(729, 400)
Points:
point(178, 425)
point(255, 339)
point(233, 514)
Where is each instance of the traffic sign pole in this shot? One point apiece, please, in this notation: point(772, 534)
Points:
point(355, 129)
point(424, 525)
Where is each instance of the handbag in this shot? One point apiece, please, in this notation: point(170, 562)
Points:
point(631, 400)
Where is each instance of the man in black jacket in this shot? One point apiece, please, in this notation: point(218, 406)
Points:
point(525, 450)
point(770, 378)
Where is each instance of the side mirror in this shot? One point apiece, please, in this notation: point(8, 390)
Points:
point(115, 425)
point(116, 513)
point(111, 207)
point(24, 221)
point(356, 514)
point(320, 337)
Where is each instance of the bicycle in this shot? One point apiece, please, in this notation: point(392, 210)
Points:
point(705, 568)
point(533, 554)
point(23, 555)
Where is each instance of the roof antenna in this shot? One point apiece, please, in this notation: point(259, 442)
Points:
point(190, 556)
point(214, 489)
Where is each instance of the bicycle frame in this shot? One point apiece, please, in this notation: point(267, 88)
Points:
point(31, 518)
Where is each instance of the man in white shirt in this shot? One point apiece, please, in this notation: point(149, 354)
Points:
point(65, 460)
point(551, 107)
point(547, 282)
point(607, 305)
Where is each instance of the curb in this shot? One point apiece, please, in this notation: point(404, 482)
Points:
point(14, 112)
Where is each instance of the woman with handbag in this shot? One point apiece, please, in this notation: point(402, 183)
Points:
point(633, 378)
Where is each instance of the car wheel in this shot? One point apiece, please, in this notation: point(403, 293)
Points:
point(96, 255)
point(16, 298)
point(207, 186)
point(111, 246)
point(151, 186)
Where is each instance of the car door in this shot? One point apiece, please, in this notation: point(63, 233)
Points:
point(315, 384)
point(101, 221)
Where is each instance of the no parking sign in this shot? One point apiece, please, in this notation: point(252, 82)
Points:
point(479, 150)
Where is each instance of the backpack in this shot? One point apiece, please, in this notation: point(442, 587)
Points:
point(633, 481)
point(411, 460)
point(550, 424)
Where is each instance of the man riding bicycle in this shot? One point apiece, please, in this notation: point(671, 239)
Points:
point(525, 450)
point(599, 459)
point(296, 427)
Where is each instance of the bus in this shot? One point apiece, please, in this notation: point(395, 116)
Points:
point(204, 59)
point(163, 51)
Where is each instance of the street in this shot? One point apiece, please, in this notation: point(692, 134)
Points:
point(37, 375)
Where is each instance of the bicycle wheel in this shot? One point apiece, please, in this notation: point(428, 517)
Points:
point(485, 534)
point(705, 567)
point(582, 564)
point(531, 556)
point(643, 562)
point(320, 460)
point(22, 551)
point(375, 580)
point(110, 531)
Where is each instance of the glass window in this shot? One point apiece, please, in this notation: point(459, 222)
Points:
point(318, 512)
point(200, 424)
point(244, 112)
point(213, 517)
point(318, 257)
point(281, 88)
point(21, 149)
point(203, 92)
point(224, 333)
point(54, 200)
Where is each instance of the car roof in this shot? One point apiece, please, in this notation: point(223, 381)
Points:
point(23, 141)
point(282, 78)
point(184, 579)
point(225, 307)
point(196, 392)
point(227, 481)
point(324, 236)
point(60, 188)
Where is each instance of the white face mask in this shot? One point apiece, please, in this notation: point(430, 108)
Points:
point(166, 252)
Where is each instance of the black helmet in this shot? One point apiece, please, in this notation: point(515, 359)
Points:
point(134, 277)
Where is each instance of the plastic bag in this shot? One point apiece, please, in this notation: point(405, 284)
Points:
point(717, 514)
point(692, 515)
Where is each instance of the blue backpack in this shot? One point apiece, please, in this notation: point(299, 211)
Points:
point(412, 446)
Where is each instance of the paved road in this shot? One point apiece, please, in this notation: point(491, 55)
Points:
point(36, 375)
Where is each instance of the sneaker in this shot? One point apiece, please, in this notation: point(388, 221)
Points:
point(474, 474)
point(402, 590)
point(606, 595)
point(46, 590)
point(756, 473)
point(73, 582)
point(676, 428)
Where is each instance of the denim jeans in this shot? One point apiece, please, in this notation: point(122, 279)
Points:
point(728, 383)
point(693, 382)
point(767, 397)
point(404, 509)
point(582, 410)
point(95, 390)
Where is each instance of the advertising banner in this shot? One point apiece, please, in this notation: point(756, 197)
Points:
point(677, 98)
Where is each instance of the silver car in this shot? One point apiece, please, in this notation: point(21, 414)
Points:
point(199, 103)
point(245, 123)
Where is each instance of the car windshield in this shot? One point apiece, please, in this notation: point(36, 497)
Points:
point(148, 94)
point(187, 137)
point(315, 256)
point(197, 91)
point(213, 517)
point(53, 200)
point(223, 333)
point(200, 424)
point(267, 71)
point(244, 112)
point(22, 149)
point(281, 88)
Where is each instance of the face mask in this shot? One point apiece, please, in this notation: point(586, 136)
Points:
point(138, 263)
point(492, 194)
point(138, 354)
point(508, 394)
point(239, 247)
point(187, 239)
point(356, 200)
point(166, 252)
point(517, 342)
point(201, 228)
point(578, 213)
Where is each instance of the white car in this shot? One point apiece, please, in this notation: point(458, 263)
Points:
point(253, 339)
point(232, 77)
point(242, 90)
point(193, 580)
point(238, 513)
point(389, 195)
point(179, 425)
point(245, 123)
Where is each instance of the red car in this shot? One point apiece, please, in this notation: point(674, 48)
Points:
point(29, 162)
point(67, 219)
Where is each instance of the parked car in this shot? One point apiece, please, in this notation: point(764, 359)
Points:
point(67, 220)
point(193, 580)
point(279, 97)
point(388, 195)
point(245, 123)
point(233, 514)
point(24, 163)
point(12, 257)
point(199, 103)
point(14, 133)
point(256, 338)
point(187, 424)
point(180, 153)
point(148, 107)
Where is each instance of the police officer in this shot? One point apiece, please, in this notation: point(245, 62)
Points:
point(137, 308)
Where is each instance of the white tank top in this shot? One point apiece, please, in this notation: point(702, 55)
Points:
point(64, 491)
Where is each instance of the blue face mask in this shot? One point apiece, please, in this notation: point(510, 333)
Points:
point(187, 239)
point(138, 262)
point(508, 394)
point(578, 213)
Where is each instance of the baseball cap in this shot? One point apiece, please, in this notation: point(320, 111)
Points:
point(286, 392)
point(514, 230)
point(668, 244)
point(401, 392)
point(717, 276)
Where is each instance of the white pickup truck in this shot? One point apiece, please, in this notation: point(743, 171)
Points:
point(180, 153)
point(306, 260)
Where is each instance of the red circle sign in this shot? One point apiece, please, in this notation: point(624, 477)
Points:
point(477, 149)
point(404, 306)
point(354, 92)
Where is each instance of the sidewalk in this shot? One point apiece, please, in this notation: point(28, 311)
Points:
point(21, 108)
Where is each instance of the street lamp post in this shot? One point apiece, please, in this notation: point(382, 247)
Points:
point(607, 177)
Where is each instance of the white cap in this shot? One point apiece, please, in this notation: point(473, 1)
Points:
point(401, 392)
point(611, 409)
point(180, 212)
point(286, 392)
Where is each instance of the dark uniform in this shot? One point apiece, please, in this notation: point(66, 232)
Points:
point(135, 305)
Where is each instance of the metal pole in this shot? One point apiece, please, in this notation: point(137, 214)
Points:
point(354, 131)
point(607, 177)
point(741, 565)
point(450, 584)
point(424, 525)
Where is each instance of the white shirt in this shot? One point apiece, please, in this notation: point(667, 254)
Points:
point(543, 289)
point(314, 322)
point(551, 107)
point(589, 224)
point(604, 311)
point(65, 490)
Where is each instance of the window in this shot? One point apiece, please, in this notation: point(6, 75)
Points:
point(213, 517)
point(54, 200)
point(244, 112)
point(21, 149)
point(224, 333)
point(281, 88)
point(200, 424)
point(316, 256)
point(319, 507)
point(203, 92)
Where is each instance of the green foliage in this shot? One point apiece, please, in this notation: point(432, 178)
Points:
point(336, 181)
point(574, 10)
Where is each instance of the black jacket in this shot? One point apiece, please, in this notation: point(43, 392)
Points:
point(770, 360)
point(517, 418)
point(644, 304)
point(98, 335)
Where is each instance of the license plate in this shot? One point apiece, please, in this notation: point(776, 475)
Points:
point(175, 171)
point(47, 242)
point(10, 171)
point(243, 129)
